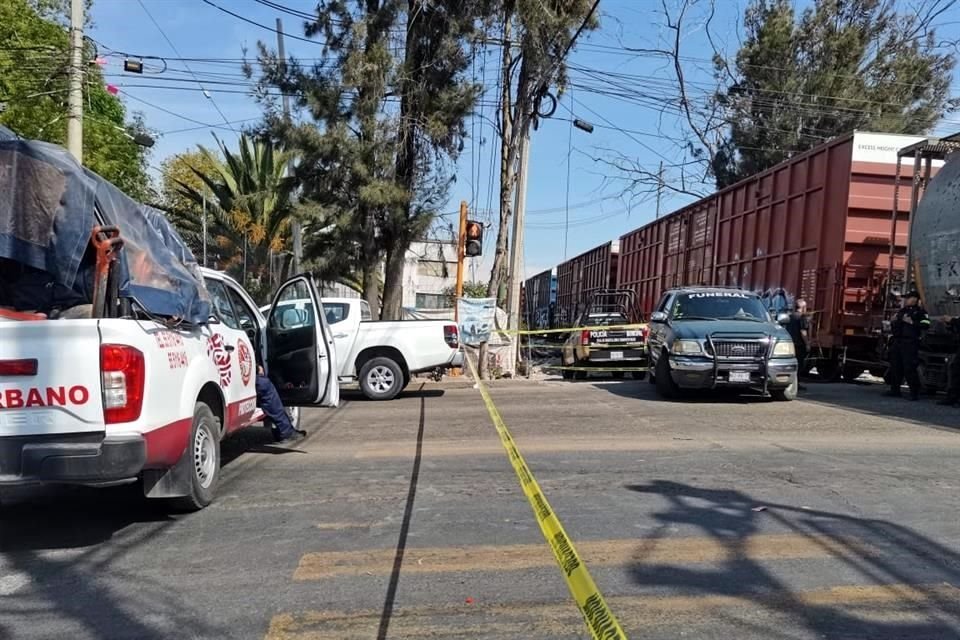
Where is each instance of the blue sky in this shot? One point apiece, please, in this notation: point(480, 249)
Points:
point(194, 29)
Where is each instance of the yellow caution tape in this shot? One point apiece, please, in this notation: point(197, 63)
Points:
point(527, 332)
point(607, 369)
point(601, 622)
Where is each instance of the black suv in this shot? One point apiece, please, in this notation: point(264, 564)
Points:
point(709, 337)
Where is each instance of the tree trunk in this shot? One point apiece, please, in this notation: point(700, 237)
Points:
point(506, 178)
point(398, 238)
point(393, 281)
point(371, 288)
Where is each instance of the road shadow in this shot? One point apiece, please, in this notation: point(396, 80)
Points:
point(391, 596)
point(883, 553)
point(643, 390)
point(65, 517)
point(868, 398)
point(61, 569)
point(357, 395)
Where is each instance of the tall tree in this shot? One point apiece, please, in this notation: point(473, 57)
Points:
point(249, 209)
point(536, 37)
point(34, 62)
point(795, 81)
point(387, 105)
point(435, 100)
point(842, 65)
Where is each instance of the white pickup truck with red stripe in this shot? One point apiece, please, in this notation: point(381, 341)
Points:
point(109, 400)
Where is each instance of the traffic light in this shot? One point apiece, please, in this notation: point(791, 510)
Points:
point(474, 242)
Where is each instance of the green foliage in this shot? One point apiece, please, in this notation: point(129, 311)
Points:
point(839, 66)
point(34, 62)
point(387, 123)
point(470, 290)
point(248, 207)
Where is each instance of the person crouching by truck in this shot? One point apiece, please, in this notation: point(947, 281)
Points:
point(907, 328)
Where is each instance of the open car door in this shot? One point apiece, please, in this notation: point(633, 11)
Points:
point(301, 358)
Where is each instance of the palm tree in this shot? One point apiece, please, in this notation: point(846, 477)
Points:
point(248, 215)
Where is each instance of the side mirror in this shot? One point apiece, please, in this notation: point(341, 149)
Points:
point(783, 318)
point(658, 316)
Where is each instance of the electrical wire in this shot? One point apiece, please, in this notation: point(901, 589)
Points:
point(262, 26)
point(173, 46)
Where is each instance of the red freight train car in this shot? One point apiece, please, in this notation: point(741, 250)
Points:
point(580, 277)
point(815, 226)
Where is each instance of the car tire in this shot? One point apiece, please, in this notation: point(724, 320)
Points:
point(788, 393)
point(666, 387)
point(638, 375)
point(381, 379)
point(567, 374)
point(203, 452)
point(618, 375)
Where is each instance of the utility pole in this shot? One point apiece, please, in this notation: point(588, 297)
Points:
point(204, 225)
point(461, 256)
point(295, 231)
point(659, 187)
point(516, 255)
point(75, 98)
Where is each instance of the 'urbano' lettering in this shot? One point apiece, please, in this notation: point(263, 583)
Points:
point(48, 397)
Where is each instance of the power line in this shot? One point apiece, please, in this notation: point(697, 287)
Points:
point(172, 46)
point(262, 26)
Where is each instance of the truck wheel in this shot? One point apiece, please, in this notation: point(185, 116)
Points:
point(203, 450)
point(666, 387)
point(381, 379)
point(581, 374)
point(787, 394)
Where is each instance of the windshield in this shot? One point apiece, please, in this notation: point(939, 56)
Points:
point(719, 305)
point(604, 319)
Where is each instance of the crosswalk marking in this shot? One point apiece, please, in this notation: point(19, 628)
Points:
point(869, 603)
point(690, 550)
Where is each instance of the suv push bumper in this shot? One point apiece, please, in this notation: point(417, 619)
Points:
point(70, 459)
point(698, 373)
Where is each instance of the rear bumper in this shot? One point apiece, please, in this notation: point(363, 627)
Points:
point(606, 356)
point(456, 360)
point(77, 459)
point(697, 373)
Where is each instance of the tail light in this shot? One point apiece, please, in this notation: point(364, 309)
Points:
point(644, 334)
point(122, 372)
point(585, 338)
point(451, 336)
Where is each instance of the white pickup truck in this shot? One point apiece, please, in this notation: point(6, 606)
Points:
point(383, 355)
point(105, 400)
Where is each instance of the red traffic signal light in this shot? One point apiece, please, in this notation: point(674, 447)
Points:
point(473, 245)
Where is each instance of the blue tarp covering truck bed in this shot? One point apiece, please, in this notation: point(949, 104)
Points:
point(49, 206)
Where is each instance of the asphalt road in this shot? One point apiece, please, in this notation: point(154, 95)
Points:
point(835, 516)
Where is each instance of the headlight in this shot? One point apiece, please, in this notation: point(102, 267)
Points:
point(687, 347)
point(784, 348)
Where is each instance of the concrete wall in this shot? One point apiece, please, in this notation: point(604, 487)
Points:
point(431, 267)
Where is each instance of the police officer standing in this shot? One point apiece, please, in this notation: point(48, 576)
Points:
point(907, 327)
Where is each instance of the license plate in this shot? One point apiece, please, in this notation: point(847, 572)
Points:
point(616, 355)
point(739, 376)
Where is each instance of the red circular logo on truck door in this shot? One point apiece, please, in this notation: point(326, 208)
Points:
point(220, 356)
point(246, 362)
